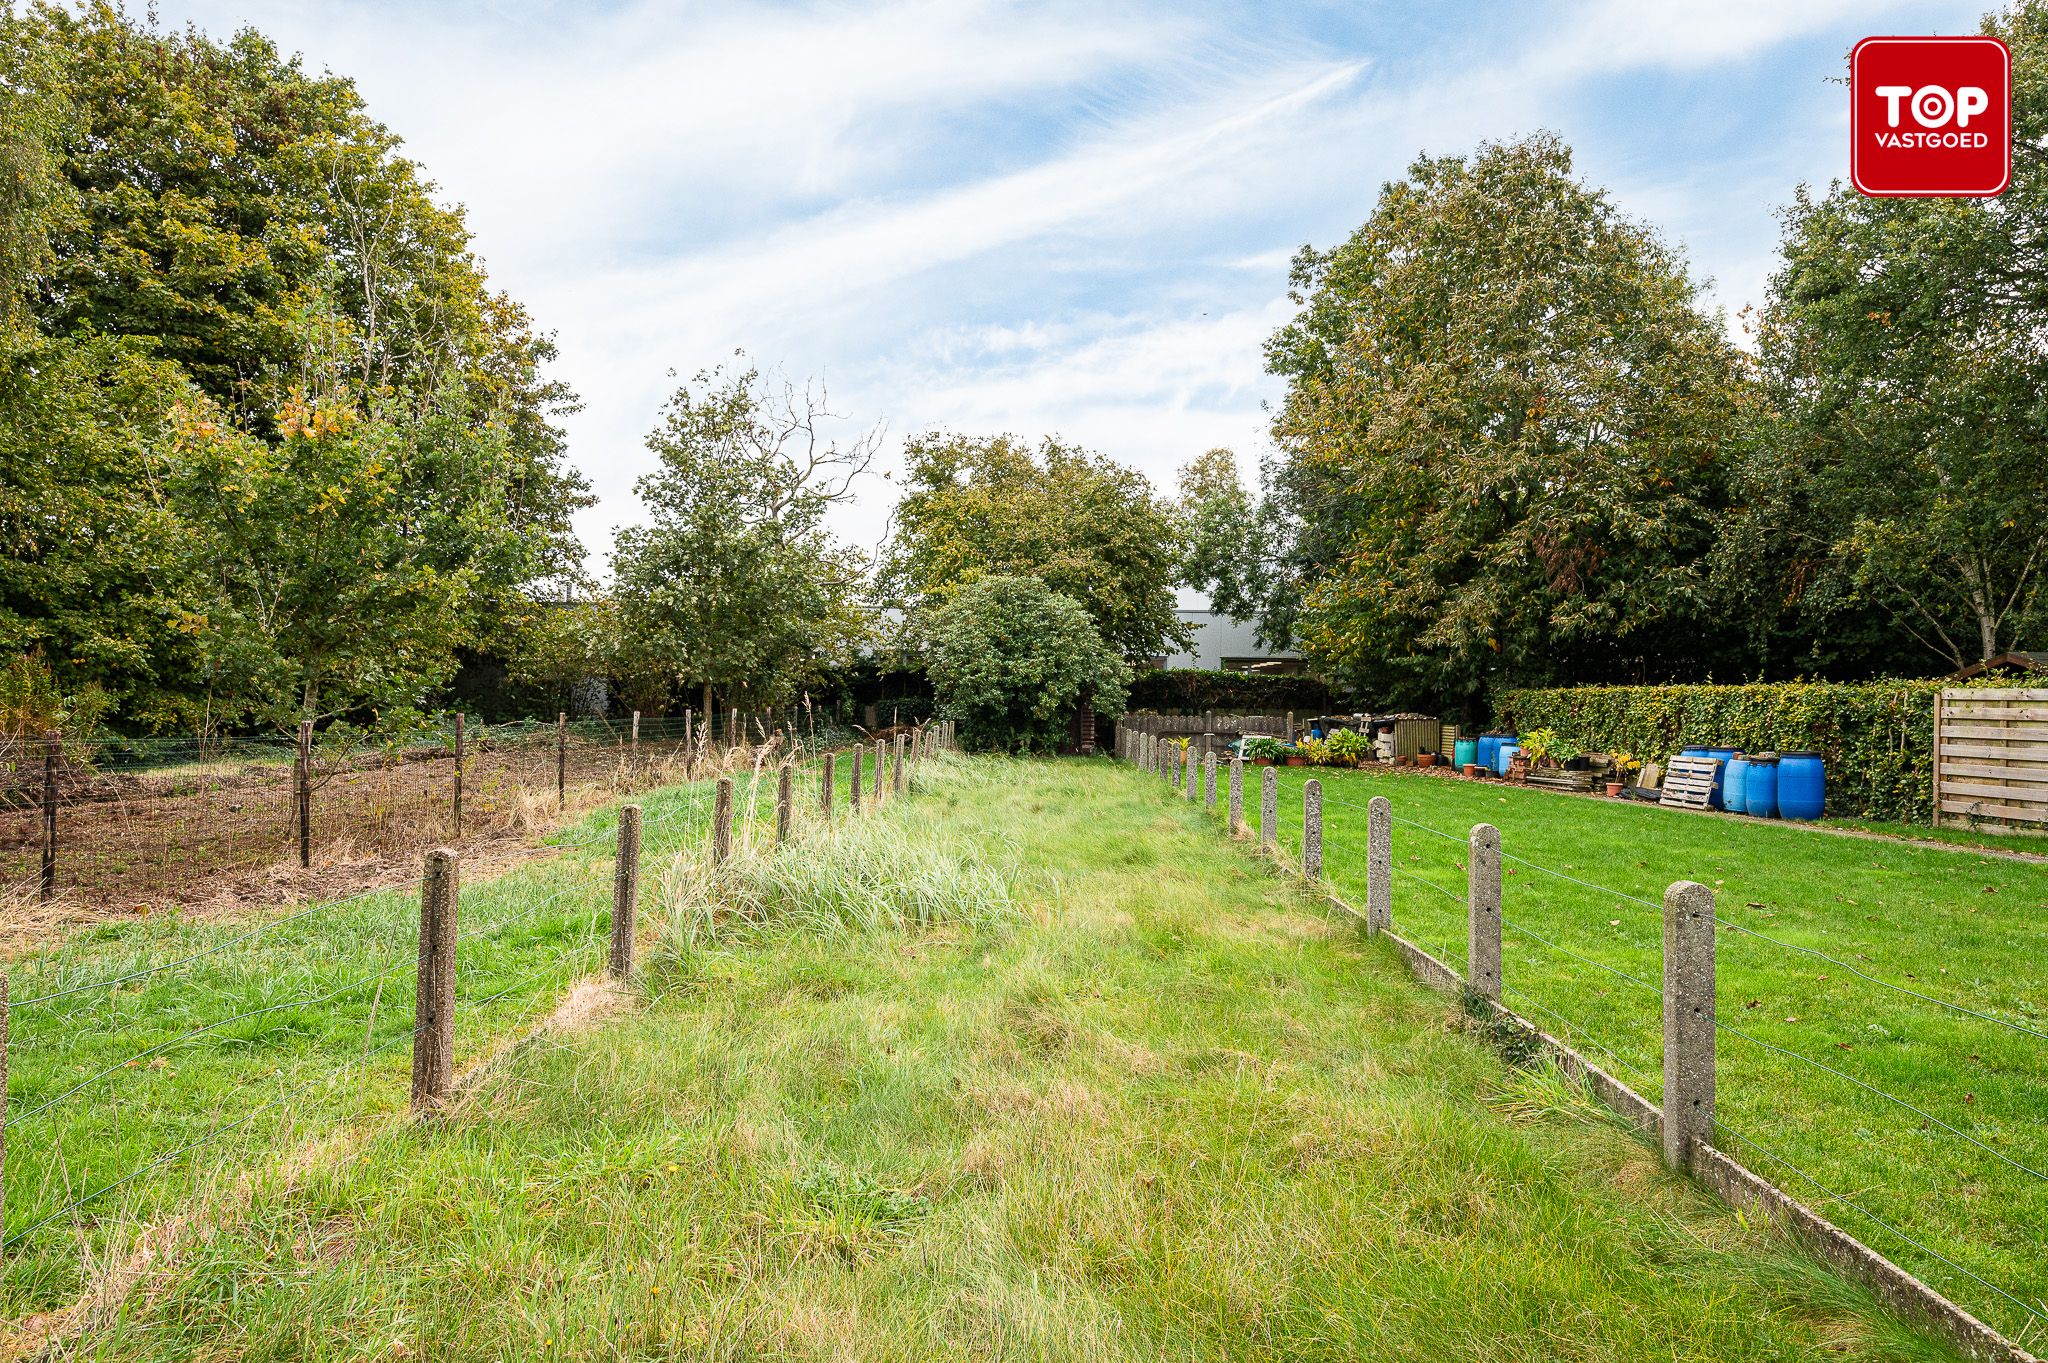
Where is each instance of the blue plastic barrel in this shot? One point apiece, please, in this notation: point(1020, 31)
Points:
point(1802, 785)
point(1732, 785)
point(1760, 787)
point(1488, 750)
point(1508, 749)
point(1464, 753)
point(1718, 799)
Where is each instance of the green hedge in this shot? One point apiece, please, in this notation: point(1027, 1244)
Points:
point(1877, 738)
point(1191, 691)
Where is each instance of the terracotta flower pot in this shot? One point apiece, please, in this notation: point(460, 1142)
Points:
point(1297, 761)
point(1614, 788)
point(1472, 770)
point(1262, 761)
point(1427, 759)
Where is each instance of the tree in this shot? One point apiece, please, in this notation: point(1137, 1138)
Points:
point(203, 246)
point(1010, 659)
point(735, 585)
point(1504, 434)
point(1091, 529)
point(1903, 345)
point(1233, 547)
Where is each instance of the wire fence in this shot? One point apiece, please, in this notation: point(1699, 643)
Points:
point(149, 1070)
point(1572, 952)
point(104, 827)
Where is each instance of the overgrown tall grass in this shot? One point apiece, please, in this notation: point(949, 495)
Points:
point(883, 871)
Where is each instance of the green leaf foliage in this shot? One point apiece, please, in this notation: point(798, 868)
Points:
point(1504, 433)
point(1196, 691)
point(1011, 658)
point(1909, 470)
point(1876, 738)
point(1088, 527)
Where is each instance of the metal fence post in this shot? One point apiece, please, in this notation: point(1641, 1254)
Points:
point(785, 800)
point(828, 777)
point(1379, 864)
point(433, 1038)
point(1209, 781)
point(1312, 830)
point(721, 822)
point(1482, 911)
point(853, 786)
point(459, 753)
point(1688, 1021)
point(626, 891)
point(53, 748)
point(1269, 807)
point(305, 793)
point(1236, 796)
point(561, 760)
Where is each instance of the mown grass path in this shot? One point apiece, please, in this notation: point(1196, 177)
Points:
point(1165, 1109)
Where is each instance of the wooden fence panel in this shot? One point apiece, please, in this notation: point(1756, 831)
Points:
point(1991, 759)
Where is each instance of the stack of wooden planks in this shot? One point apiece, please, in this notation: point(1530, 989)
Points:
point(1690, 782)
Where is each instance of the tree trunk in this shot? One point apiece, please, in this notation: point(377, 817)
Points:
point(1987, 616)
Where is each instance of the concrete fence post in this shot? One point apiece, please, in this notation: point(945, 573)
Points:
point(562, 760)
point(853, 786)
point(1209, 782)
point(689, 731)
point(1312, 830)
point(433, 1037)
point(785, 800)
point(1482, 911)
point(721, 822)
point(734, 734)
point(898, 780)
point(1269, 807)
point(1379, 864)
point(828, 777)
point(875, 786)
point(626, 892)
point(1688, 1021)
point(1236, 796)
point(53, 750)
point(636, 737)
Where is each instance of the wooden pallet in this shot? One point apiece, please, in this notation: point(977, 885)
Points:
point(1690, 782)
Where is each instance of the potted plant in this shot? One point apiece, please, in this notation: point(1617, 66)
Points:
point(1427, 759)
point(1620, 767)
point(1296, 757)
point(1316, 752)
point(1264, 751)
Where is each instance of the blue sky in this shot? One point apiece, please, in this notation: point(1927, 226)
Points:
point(1036, 218)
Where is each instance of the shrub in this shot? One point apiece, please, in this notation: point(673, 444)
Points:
point(1192, 691)
point(1266, 749)
point(1877, 738)
point(1010, 658)
point(1349, 747)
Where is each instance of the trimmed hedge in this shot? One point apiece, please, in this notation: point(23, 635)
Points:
point(1877, 738)
point(1192, 691)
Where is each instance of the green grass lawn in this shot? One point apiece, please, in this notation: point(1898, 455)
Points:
point(1952, 924)
point(1066, 1077)
point(265, 1032)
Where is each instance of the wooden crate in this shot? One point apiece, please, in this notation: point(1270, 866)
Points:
point(1991, 759)
point(1689, 784)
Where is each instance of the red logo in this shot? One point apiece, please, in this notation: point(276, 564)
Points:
point(1930, 117)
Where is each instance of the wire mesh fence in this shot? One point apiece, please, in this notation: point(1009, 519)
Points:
point(122, 826)
point(158, 1069)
